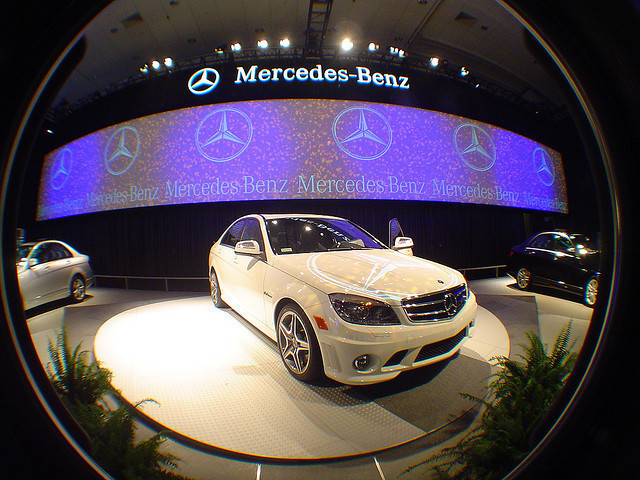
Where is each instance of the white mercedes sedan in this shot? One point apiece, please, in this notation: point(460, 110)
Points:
point(336, 300)
point(51, 270)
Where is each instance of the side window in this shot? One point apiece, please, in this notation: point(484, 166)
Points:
point(541, 241)
point(563, 244)
point(252, 232)
point(59, 251)
point(234, 233)
point(42, 254)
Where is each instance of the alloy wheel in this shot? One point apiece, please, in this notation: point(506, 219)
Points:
point(214, 289)
point(523, 277)
point(293, 341)
point(591, 292)
point(78, 289)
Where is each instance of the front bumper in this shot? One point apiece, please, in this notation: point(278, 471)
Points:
point(391, 349)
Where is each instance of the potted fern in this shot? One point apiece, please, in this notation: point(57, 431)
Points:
point(84, 387)
point(518, 397)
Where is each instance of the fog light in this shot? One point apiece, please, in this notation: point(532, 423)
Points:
point(362, 362)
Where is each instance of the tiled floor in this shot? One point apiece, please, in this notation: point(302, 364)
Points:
point(250, 378)
point(219, 382)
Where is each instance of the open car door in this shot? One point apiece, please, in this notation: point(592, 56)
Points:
point(397, 240)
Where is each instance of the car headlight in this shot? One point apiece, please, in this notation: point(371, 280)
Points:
point(362, 310)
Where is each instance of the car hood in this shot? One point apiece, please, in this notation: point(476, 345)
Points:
point(383, 274)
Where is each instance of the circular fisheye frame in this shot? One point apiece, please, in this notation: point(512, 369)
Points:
point(572, 422)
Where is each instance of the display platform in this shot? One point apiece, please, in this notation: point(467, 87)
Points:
point(220, 383)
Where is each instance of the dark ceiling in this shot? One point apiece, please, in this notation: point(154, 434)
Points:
point(480, 35)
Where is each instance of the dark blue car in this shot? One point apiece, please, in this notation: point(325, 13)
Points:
point(561, 260)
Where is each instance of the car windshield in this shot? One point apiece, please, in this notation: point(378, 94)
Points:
point(307, 235)
point(23, 252)
point(583, 244)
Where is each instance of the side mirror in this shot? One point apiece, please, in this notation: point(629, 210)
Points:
point(33, 262)
point(247, 247)
point(403, 245)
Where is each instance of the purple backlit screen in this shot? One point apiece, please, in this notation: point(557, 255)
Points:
point(295, 149)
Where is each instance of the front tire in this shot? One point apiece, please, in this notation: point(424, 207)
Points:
point(591, 292)
point(214, 290)
point(523, 278)
point(78, 288)
point(297, 344)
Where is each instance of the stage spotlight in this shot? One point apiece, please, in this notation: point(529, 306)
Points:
point(464, 72)
point(434, 62)
point(373, 47)
point(393, 50)
point(168, 62)
point(236, 47)
point(402, 53)
point(155, 64)
point(144, 69)
point(285, 43)
point(263, 44)
point(347, 44)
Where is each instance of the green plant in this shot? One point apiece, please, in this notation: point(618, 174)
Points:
point(76, 380)
point(518, 397)
point(115, 449)
point(82, 385)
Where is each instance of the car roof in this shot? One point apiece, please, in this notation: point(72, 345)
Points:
point(559, 232)
point(45, 240)
point(37, 242)
point(270, 216)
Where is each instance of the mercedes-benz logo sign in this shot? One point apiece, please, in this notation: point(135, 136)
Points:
point(61, 169)
point(450, 304)
point(122, 150)
point(203, 81)
point(543, 166)
point(224, 134)
point(475, 147)
point(362, 133)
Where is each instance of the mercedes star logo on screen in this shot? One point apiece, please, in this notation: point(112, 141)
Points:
point(362, 133)
point(224, 134)
point(122, 150)
point(475, 147)
point(203, 81)
point(61, 169)
point(543, 166)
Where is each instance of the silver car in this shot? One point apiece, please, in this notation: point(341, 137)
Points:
point(51, 270)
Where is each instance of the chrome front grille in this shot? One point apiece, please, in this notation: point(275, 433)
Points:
point(435, 307)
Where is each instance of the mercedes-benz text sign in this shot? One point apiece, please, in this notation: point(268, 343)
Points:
point(206, 80)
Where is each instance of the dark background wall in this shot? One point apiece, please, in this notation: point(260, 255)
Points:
point(173, 241)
